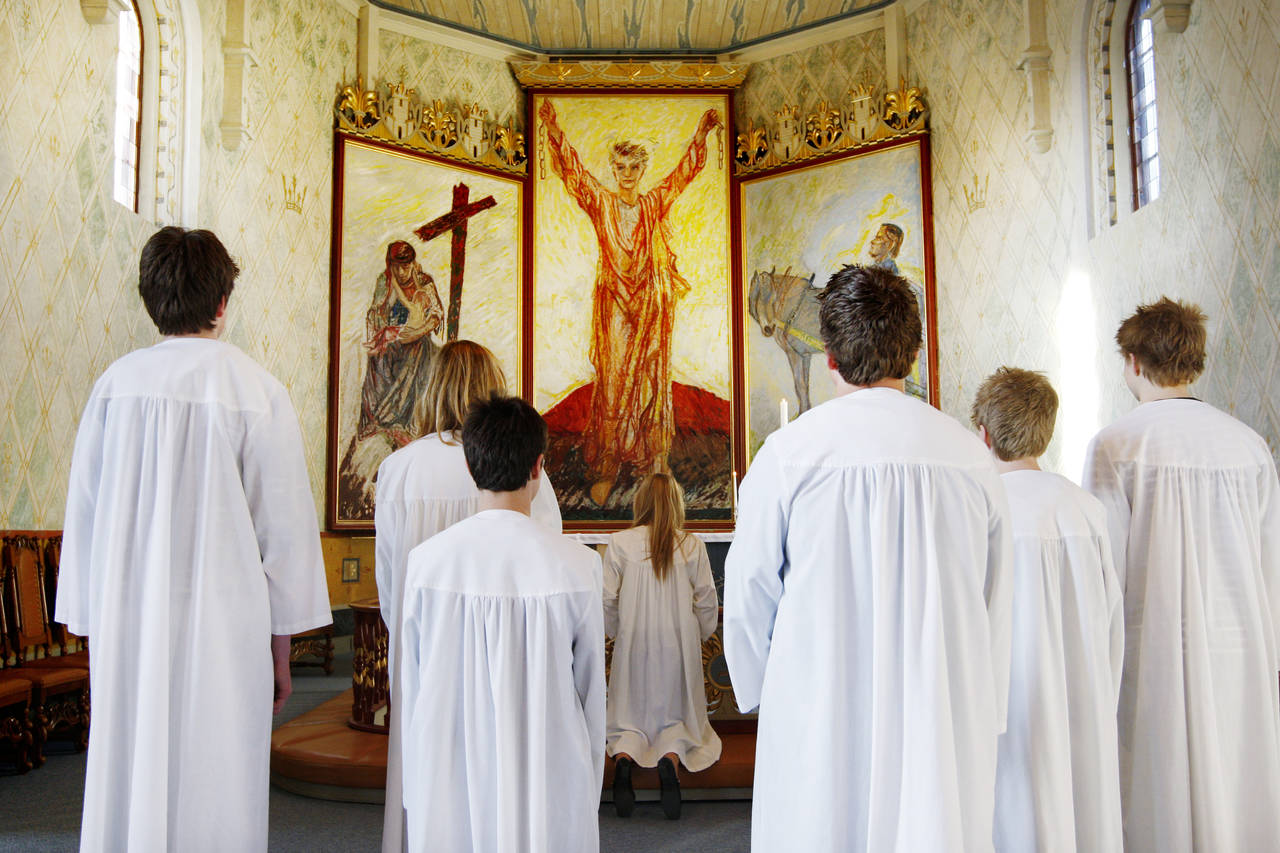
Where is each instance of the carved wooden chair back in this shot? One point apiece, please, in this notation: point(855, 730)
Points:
point(32, 638)
point(63, 639)
point(6, 621)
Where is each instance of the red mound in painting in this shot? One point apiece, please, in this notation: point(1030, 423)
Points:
point(697, 412)
point(699, 458)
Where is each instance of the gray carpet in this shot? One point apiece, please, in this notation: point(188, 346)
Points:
point(40, 811)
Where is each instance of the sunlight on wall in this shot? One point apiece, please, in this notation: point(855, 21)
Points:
point(1077, 380)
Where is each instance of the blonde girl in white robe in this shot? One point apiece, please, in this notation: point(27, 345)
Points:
point(660, 605)
point(423, 488)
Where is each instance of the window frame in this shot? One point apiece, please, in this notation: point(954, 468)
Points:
point(1140, 195)
point(125, 7)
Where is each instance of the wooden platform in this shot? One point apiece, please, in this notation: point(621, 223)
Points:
point(319, 755)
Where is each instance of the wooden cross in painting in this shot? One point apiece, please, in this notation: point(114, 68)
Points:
point(456, 221)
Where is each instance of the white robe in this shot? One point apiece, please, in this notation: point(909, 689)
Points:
point(657, 699)
point(502, 682)
point(867, 613)
point(1193, 506)
point(190, 539)
point(1058, 776)
point(422, 488)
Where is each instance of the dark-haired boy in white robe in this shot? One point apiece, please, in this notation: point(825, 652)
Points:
point(502, 675)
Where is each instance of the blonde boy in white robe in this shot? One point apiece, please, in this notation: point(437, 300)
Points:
point(1193, 504)
point(424, 488)
point(867, 603)
point(1057, 780)
point(502, 664)
point(190, 555)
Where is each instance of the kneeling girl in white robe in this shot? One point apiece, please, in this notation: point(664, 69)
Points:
point(1057, 772)
point(660, 605)
point(502, 664)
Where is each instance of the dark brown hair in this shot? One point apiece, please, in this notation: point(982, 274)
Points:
point(183, 276)
point(870, 324)
point(502, 439)
point(1168, 339)
point(1018, 408)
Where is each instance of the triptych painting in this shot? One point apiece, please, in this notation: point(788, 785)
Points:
point(660, 312)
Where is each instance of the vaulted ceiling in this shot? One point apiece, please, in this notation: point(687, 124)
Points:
point(640, 26)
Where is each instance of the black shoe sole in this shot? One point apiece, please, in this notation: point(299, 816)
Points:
point(624, 796)
point(670, 789)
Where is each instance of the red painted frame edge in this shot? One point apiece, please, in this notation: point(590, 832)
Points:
point(332, 523)
point(926, 213)
point(737, 351)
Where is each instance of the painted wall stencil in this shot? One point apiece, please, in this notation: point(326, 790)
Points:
point(424, 251)
point(802, 223)
point(631, 344)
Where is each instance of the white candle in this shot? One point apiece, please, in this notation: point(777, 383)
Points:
point(734, 474)
point(782, 412)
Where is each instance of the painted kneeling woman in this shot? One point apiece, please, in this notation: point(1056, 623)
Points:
point(660, 605)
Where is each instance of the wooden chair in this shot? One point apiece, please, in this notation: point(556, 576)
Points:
point(17, 739)
point(313, 648)
point(72, 650)
point(60, 690)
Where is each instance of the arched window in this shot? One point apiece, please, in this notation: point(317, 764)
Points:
point(1140, 60)
point(128, 117)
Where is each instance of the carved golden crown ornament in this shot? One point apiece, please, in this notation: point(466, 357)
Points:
point(860, 120)
point(462, 132)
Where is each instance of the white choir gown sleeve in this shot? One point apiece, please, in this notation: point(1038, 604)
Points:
point(1115, 616)
point(385, 526)
point(1102, 480)
point(74, 583)
point(278, 493)
point(410, 665)
point(1269, 494)
point(588, 671)
point(999, 595)
point(612, 583)
point(705, 602)
point(753, 575)
point(546, 508)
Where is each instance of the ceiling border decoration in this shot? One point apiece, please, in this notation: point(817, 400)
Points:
point(465, 133)
point(619, 73)
point(862, 120)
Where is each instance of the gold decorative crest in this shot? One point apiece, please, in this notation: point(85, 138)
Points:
point(863, 119)
point(457, 131)
point(904, 110)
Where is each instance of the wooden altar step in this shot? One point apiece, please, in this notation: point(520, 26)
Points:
point(319, 755)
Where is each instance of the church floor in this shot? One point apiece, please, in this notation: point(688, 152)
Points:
point(40, 811)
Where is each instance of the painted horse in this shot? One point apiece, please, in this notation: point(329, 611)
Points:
point(786, 308)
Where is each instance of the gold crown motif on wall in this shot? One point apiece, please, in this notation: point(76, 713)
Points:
point(976, 197)
point(861, 119)
point(293, 200)
point(463, 132)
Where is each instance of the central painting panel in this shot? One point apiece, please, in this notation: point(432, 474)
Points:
point(630, 345)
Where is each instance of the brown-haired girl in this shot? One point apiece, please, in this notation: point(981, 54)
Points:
point(660, 605)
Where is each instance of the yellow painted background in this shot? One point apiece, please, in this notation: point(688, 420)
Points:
point(386, 195)
point(814, 221)
point(565, 245)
